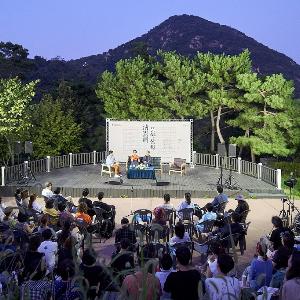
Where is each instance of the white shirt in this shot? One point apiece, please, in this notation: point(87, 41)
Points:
point(36, 206)
point(176, 240)
point(110, 160)
point(47, 193)
point(222, 288)
point(49, 248)
point(162, 276)
point(167, 206)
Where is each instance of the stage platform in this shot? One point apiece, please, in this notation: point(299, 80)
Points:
point(200, 181)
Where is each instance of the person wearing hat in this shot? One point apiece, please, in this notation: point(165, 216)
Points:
point(242, 205)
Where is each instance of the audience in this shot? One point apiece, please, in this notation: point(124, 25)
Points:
point(159, 216)
point(64, 215)
point(44, 224)
point(82, 213)
point(47, 191)
point(291, 287)
point(184, 283)
point(165, 264)
point(167, 204)
point(57, 198)
point(50, 210)
point(215, 250)
point(261, 268)
point(181, 236)
point(33, 204)
point(208, 216)
point(223, 287)
point(186, 203)
point(49, 248)
point(242, 207)
point(23, 225)
point(125, 233)
point(220, 198)
point(88, 202)
point(24, 198)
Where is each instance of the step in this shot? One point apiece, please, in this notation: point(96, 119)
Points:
point(267, 195)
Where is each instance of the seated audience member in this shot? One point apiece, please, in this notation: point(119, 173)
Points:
point(223, 287)
point(23, 224)
point(95, 274)
point(37, 286)
point(181, 236)
point(147, 160)
point(280, 259)
point(186, 203)
point(24, 198)
point(215, 250)
point(209, 215)
point(18, 196)
point(125, 233)
point(82, 213)
point(183, 284)
point(47, 191)
point(64, 233)
point(134, 158)
point(67, 250)
point(44, 224)
point(8, 218)
point(33, 204)
point(159, 216)
point(109, 210)
point(64, 215)
point(2, 207)
point(242, 206)
point(275, 237)
point(58, 198)
point(167, 204)
point(85, 199)
point(33, 258)
point(65, 287)
point(49, 248)
point(165, 264)
point(291, 287)
point(111, 161)
point(51, 211)
point(261, 268)
point(124, 260)
point(143, 284)
point(220, 198)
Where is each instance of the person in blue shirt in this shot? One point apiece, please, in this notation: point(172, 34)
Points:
point(220, 198)
point(209, 215)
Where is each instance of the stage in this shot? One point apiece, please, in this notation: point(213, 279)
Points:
point(200, 181)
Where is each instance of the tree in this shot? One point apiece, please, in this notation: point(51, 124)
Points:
point(15, 98)
point(221, 73)
point(268, 115)
point(13, 51)
point(55, 131)
point(152, 90)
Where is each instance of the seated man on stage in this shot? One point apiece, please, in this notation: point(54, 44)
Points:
point(111, 161)
point(134, 158)
point(147, 160)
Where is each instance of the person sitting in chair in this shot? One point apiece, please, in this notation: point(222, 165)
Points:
point(111, 162)
point(209, 215)
point(47, 191)
point(220, 198)
point(147, 160)
point(134, 158)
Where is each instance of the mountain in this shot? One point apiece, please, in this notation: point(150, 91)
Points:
point(186, 34)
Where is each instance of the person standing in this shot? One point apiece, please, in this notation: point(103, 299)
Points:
point(111, 162)
point(220, 198)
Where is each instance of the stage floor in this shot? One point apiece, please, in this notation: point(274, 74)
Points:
point(200, 181)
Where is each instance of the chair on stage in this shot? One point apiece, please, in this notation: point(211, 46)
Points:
point(178, 166)
point(107, 169)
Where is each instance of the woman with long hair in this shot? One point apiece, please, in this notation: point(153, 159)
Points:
point(291, 288)
point(33, 204)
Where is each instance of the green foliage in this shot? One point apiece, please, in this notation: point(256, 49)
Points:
point(12, 51)
point(15, 98)
point(268, 115)
point(55, 131)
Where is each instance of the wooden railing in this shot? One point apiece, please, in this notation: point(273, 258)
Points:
point(14, 173)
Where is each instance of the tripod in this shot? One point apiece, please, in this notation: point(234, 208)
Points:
point(220, 179)
point(26, 177)
point(230, 182)
point(285, 214)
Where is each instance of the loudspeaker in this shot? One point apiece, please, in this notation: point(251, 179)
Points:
point(232, 150)
point(222, 149)
point(162, 183)
point(114, 182)
point(28, 147)
point(18, 148)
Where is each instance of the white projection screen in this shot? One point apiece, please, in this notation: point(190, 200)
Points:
point(166, 139)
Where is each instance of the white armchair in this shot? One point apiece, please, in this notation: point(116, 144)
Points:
point(178, 166)
point(106, 169)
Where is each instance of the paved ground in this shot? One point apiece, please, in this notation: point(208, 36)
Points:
point(260, 216)
point(201, 181)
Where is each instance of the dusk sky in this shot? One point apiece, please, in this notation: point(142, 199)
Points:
point(76, 28)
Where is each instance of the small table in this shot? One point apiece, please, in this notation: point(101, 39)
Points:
point(147, 173)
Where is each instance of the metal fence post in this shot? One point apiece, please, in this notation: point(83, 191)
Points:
point(278, 179)
point(48, 162)
point(217, 161)
point(94, 157)
point(26, 169)
point(239, 166)
point(3, 176)
point(259, 165)
point(71, 156)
